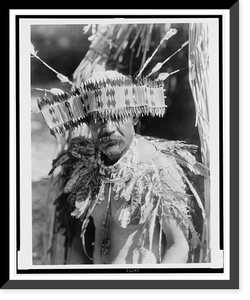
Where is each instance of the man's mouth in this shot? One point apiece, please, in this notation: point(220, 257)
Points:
point(107, 139)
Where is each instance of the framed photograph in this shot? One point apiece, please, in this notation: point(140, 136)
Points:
point(123, 149)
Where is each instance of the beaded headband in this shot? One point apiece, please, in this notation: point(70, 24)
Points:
point(107, 96)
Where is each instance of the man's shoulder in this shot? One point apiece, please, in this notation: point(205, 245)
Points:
point(163, 160)
point(169, 170)
point(148, 151)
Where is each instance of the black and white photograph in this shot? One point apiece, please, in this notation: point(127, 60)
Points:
point(124, 151)
point(129, 179)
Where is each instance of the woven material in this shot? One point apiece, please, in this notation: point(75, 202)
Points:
point(107, 95)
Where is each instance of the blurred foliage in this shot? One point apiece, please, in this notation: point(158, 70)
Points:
point(61, 46)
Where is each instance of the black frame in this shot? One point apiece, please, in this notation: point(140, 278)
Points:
point(233, 283)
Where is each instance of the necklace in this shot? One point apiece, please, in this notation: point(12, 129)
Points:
point(111, 173)
point(106, 236)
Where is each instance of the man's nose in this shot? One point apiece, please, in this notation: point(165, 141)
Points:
point(109, 127)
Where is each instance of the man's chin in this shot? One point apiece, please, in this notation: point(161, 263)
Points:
point(112, 150)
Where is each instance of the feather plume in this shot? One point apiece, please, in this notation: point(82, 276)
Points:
point(182, 153)
point(198, 200)
point(127, 190)
point(183, 218)
point(77, 173)
point(151, 223)
point(124, 217)
point(83, 230)
point(62, 158)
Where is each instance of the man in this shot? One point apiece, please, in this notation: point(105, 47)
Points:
point(132, 187)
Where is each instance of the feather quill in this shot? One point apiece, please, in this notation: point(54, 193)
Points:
point(77, 173)
point(186, 221)
point(63, 158)
point(151, 223)
point(83, 230)
point(198, 200)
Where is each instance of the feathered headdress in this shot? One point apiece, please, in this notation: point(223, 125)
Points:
point(106, 95)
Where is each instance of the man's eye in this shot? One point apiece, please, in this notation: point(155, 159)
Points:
point(95, 124)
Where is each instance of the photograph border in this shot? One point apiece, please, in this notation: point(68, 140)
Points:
point(233, 282)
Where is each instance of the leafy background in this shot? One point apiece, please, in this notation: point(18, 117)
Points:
point(63, 47)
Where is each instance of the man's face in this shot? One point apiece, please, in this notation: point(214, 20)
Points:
point(112, 138)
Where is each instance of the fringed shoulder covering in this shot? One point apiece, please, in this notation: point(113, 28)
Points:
point(155, 189)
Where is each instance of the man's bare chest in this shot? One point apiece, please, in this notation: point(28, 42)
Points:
point(111, 204)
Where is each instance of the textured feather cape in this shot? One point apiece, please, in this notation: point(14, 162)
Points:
point(142, 185)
